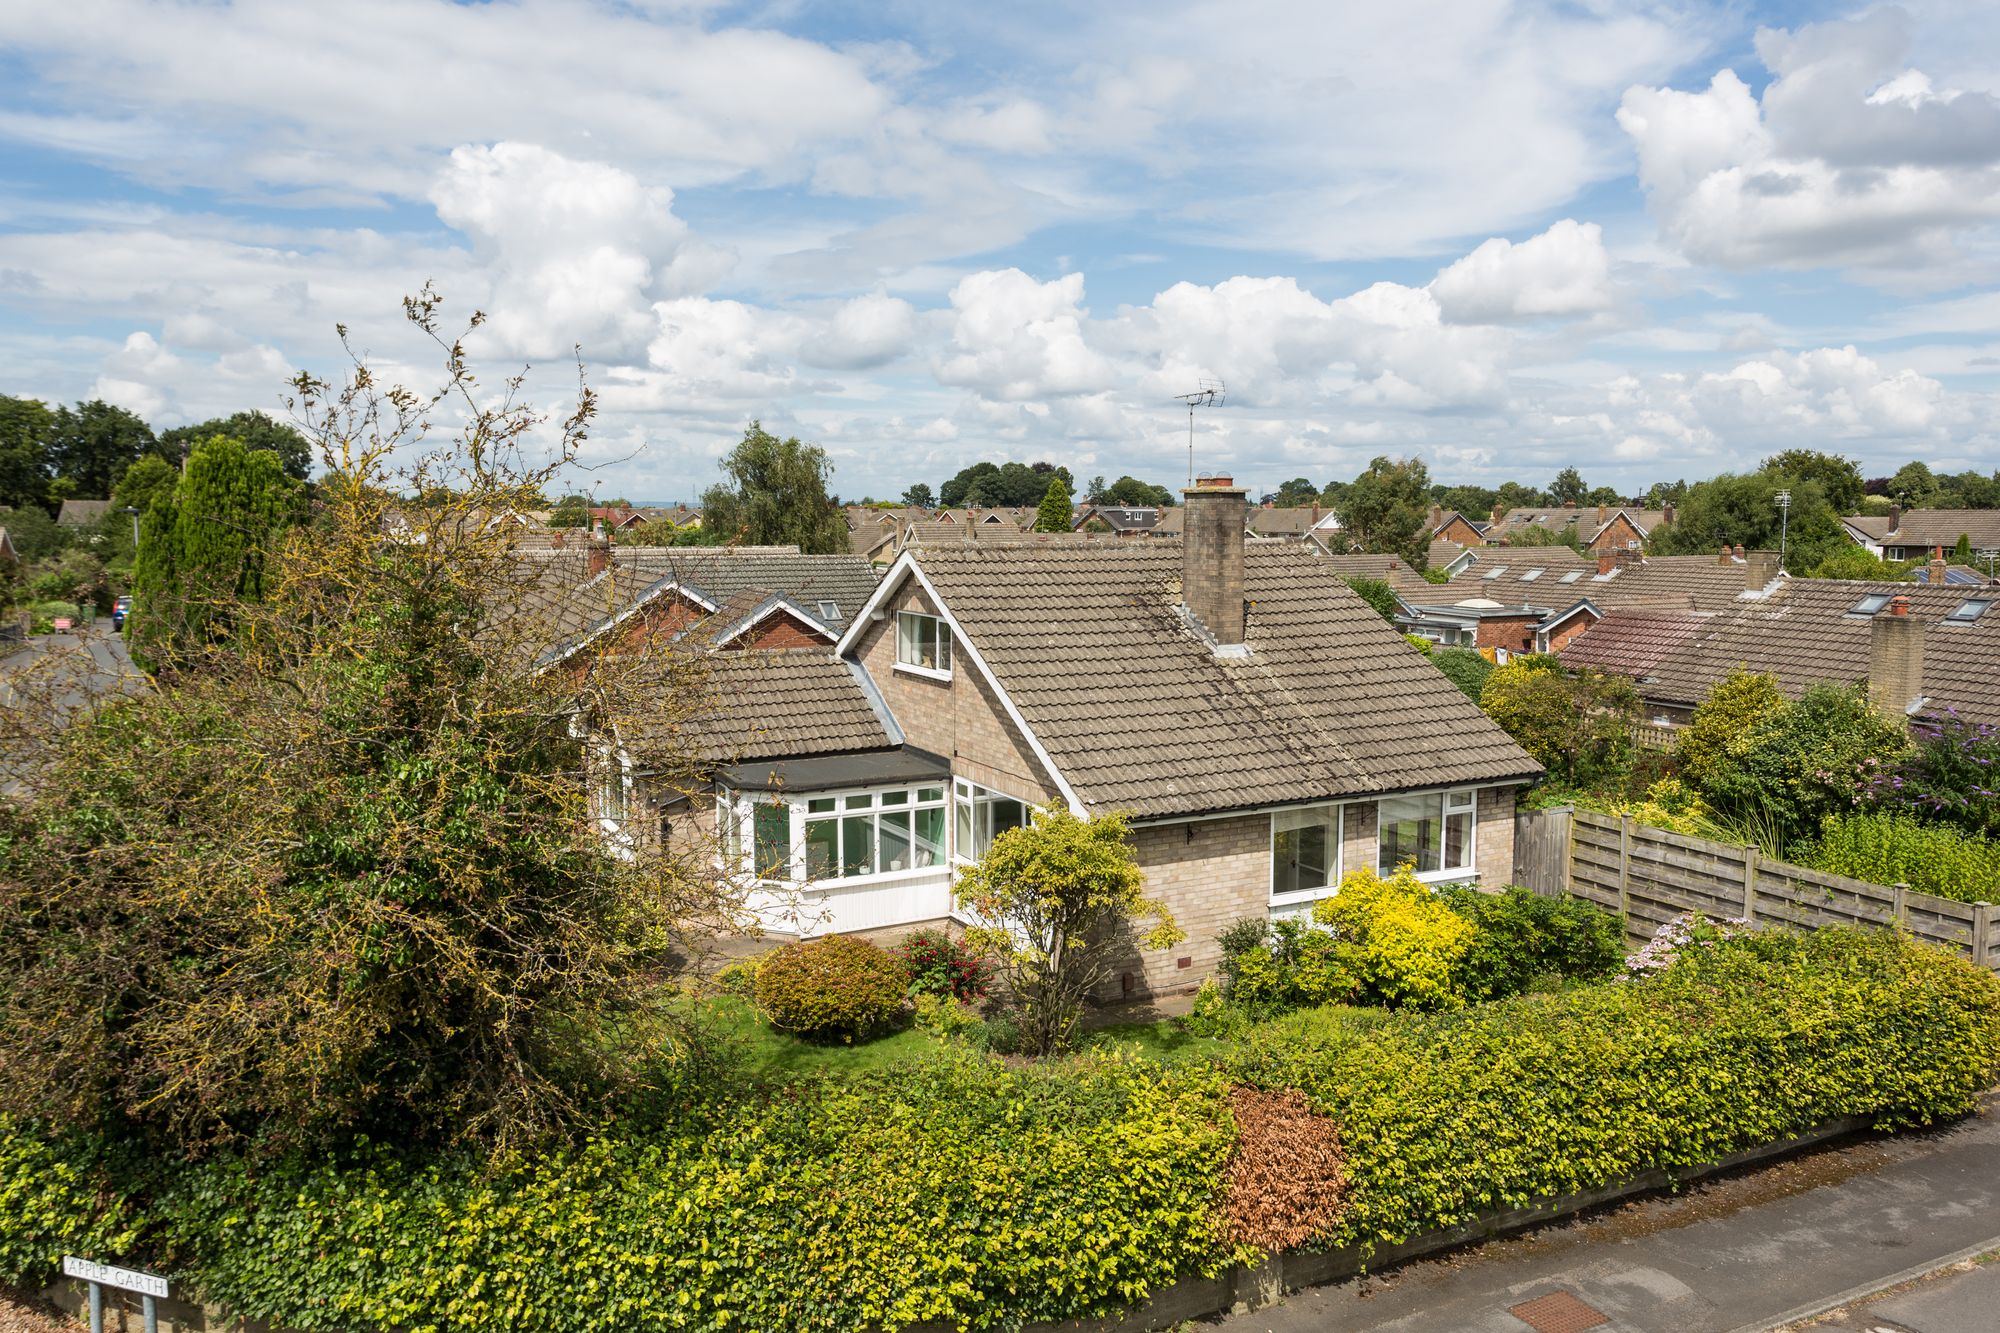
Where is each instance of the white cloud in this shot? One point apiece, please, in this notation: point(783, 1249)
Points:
point(1014, 338)
point(1563, 271)
point(1849, 158)
point(867, 331)
point(139, 376)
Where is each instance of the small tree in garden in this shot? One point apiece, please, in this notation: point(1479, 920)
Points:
point(1801, 762)
point(1057, 896)
point(1734, 705)
point(1577, 725)
point(1054, 515)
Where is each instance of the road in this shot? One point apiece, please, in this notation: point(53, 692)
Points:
point(1756, 1251)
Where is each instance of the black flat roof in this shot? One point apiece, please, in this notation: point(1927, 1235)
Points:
point(824, 772)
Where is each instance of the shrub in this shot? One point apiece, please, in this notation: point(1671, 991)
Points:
point(834, 986)
point(1686, 936)
point(941, 965)
point(1801, 762)
point(1285, 1179)
point(1521, 938)
point(1887, 848)
point(1400, 940)
point(1952, 773)
point(954, 1191)
point(943, 1017)
point(1443, 1116)
point(1271, 966)
point(1578, 725)
point(1735, 704)
point(1464, 668)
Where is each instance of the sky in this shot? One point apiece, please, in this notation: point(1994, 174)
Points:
point(1647, 241)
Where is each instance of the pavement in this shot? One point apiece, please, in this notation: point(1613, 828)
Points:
point(1767, 1248)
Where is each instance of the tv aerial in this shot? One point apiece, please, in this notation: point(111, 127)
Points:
point(1209, 394)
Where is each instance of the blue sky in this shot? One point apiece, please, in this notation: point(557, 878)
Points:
point(1644, 240)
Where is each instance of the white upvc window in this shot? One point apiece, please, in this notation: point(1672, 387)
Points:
point(832, 836)
point(1432, 831)
point(981, 816)
point(923, 644)
point(1306, 853)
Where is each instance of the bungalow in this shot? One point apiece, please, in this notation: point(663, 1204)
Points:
point(1913, 534)
point(82, 513)
point(1265, 730)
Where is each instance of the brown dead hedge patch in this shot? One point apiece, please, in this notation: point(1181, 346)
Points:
point(1286, 1178)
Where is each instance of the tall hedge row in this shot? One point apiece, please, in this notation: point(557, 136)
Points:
point(1446, 1115)
point(966, 1192)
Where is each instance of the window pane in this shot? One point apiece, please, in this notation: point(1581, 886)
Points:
point(930, 836)
point(942, 644)
point(1457, 841)
point(1006, 813)
point(895, 798)
point(930, 793)
point(1409, 832)
point(967, 847)
point(773, 842)
point(860, 802)
point(896, 840)
point(1301, 857)
point(822, 848)
point(819, 804)
point(857, 845)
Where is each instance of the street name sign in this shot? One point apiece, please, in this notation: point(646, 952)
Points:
point(125, 1279)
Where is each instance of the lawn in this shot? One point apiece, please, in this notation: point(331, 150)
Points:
point(766, 1053)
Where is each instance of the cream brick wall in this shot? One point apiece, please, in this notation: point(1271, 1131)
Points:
point(961, 719)
point(1494, 852)
point(1210, 874)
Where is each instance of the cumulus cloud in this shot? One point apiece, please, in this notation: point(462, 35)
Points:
point(139, 376)
point(1849, 158)
point(1563, 271)
point(575, 250)
point(1015, 338)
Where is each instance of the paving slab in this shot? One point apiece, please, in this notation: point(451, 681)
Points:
point(1729, 1254)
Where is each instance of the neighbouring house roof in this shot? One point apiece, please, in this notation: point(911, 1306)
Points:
point(1586, 518)
point(1121, 518)
point(748, 609)
point(1685, 582)
point(1290, 521)
point(1814, 635)
point(1478, 525)
point(869, 539)
point(86, 513)
point(1407, 583)
point(787, 703)
point(1632, 642)
point(844, 581)
point(1930, 527)
point(1957, 576)
point(1137, 713)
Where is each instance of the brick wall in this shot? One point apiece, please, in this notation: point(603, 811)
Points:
point(1618, 537)
point(1514, 633)
point(1210, 874)
point(1462, 532)
point(1569, 629)
point(1493, 852)
point(961, 718)
point(781, 629)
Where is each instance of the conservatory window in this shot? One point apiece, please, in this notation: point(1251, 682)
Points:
point(1432, 831)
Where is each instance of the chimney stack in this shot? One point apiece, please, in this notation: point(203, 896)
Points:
point(1212, 558)
point(1937, 568)
point(1726, 555)
point(1499, 513)
point(600, 549)
point(1759, 570)
point(1667, 515)
point(1895, 659)
point(1437, 517)
point(1603, 515)
point(1895, 518)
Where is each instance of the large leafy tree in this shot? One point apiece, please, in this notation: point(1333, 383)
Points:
point(1059, 899)
point(1914, 485)
point(344, 878)
point(1742, 509)
point(254, 431)
point(989, 484)
point(1839, 478)
point(92, 444)
point(205, 546)
point(25, 427)
point(1297, 491)
point(1131, 491)
point(776, 495)
point(1576, 724)
point(919, 496)
point(1387, 510)
point(1568, 487)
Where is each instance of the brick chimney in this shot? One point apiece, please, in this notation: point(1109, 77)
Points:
point(1212, 557)
point(1759, 569)
point(1895, 659)
point(1499, 513)
point(1667, 515)
point(1937, 567)
point(1437, 517)
point(1726, 555)
point(1895, 518)
point(1603, 515)
point(600, 549)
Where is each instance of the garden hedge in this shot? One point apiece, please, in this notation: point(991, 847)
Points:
point(978, 1195)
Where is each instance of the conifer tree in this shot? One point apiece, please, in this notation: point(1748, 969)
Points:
point(1054, 515)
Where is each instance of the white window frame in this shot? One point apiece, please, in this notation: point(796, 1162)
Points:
point(969, 795)
point(1453, 802)
point(611, 795)
point(942, 629)
point(1336, 817)
point(737, 815)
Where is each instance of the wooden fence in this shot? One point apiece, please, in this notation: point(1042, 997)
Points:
point(1653, 736)
point(1650, 876)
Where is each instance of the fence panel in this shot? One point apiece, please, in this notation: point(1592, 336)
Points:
point(1649, 876)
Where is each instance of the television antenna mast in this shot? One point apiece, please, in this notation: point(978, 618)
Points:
point(1209, 394)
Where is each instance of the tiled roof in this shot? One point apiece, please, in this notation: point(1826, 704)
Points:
point(1121, 518)
point(1934, 527)
point(1292, 521)
point(847, 581)
point(1529, 576)
point(1632, 642)
point(783, 703)
point(1585, 517)
point(1811, 635)
point(1409, 585)
point(83, 513)
point(1139, 714)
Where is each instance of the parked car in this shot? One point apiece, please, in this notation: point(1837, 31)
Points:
point(119, 610)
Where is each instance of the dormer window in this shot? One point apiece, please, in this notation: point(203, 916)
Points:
point(923, 644)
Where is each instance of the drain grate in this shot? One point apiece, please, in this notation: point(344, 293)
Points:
point(1558, 1312)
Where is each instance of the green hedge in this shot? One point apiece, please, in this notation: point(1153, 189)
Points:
point(960, 1191)
point(969, 1193)
point(1445, 1115)
point(1939, 859)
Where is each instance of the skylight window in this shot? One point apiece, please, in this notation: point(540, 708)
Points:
point(1571, 577)
point(1495, 572)
point(1530, 575)
point(829, 610)
point(1970, 610)
point(1869, 605)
